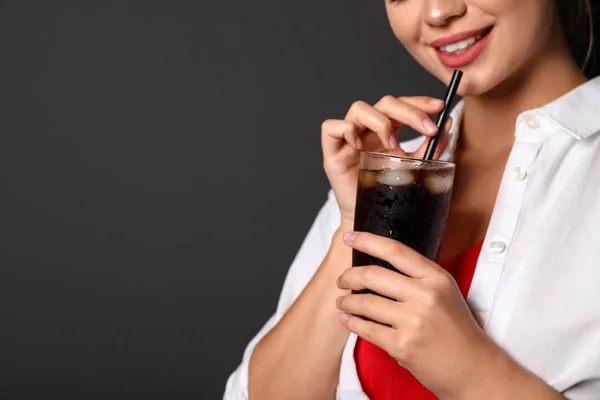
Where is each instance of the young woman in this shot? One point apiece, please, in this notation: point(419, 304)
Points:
point(511, 308)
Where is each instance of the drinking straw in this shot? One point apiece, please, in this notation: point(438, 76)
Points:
point(443, 116)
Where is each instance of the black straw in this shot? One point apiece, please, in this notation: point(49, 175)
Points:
point(443, 116)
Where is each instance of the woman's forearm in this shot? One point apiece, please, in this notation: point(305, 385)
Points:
point(300, 358)
point(499, 377)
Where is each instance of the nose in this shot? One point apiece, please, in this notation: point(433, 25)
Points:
point(440, 12)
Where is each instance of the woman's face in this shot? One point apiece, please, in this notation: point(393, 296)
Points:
point(443, 35)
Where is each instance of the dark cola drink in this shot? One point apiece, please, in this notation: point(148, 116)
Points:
point(403, 199)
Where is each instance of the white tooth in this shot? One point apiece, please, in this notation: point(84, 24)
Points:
point(466, 43)
point(463, 44)
point(451, 48)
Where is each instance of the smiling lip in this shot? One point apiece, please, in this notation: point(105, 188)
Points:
point(457, 37)
point(467, 56)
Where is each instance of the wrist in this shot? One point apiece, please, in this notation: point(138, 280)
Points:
point(346, 225)
point(497, 376)
point(492, 369)
point(482, 367)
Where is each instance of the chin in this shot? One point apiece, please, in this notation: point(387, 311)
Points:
point(476, 83)
point(478, 78)
point(471, 86)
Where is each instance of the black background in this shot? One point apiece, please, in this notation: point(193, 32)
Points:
point(160, 165)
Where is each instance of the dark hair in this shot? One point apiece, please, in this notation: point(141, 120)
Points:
point(578, 18)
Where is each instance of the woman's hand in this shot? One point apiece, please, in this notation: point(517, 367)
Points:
point(373, 128)
point(428, 327)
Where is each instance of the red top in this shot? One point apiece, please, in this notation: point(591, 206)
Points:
point(381, 377)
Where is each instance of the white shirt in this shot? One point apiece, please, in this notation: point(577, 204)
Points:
point(536, 287)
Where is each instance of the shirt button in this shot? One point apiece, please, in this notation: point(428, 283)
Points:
point(519, 173)
point(532, 121)
point(497, 247)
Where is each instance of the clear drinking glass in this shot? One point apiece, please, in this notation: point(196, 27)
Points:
point(406, 199)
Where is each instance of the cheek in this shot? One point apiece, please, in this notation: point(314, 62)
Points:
point(521, 36)
point(407, 29)
point(405, 24)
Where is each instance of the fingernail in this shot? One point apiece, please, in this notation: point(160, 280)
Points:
point(393, 142)
point(338, 301)
point(429, 125)
point(436, 102)
point(349, 237)
point(344, 317)
point(358, 143)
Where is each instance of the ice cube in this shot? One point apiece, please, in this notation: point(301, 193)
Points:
point(437, 184)
point(396, 177)
point(367, 179)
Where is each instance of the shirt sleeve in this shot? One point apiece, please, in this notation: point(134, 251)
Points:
point(305, 264)
point(586, 390)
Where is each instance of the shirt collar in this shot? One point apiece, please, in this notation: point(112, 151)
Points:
point(576, 112)
point(456, 114)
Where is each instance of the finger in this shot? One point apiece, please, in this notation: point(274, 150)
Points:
point(371, 306)
point(378, 279)
point(365, 115)
point(402, 257)
point(371, 142)
point(407, 114)
point(442, 142)
point(430, 105)
point(334, 133)
point(376, 333)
